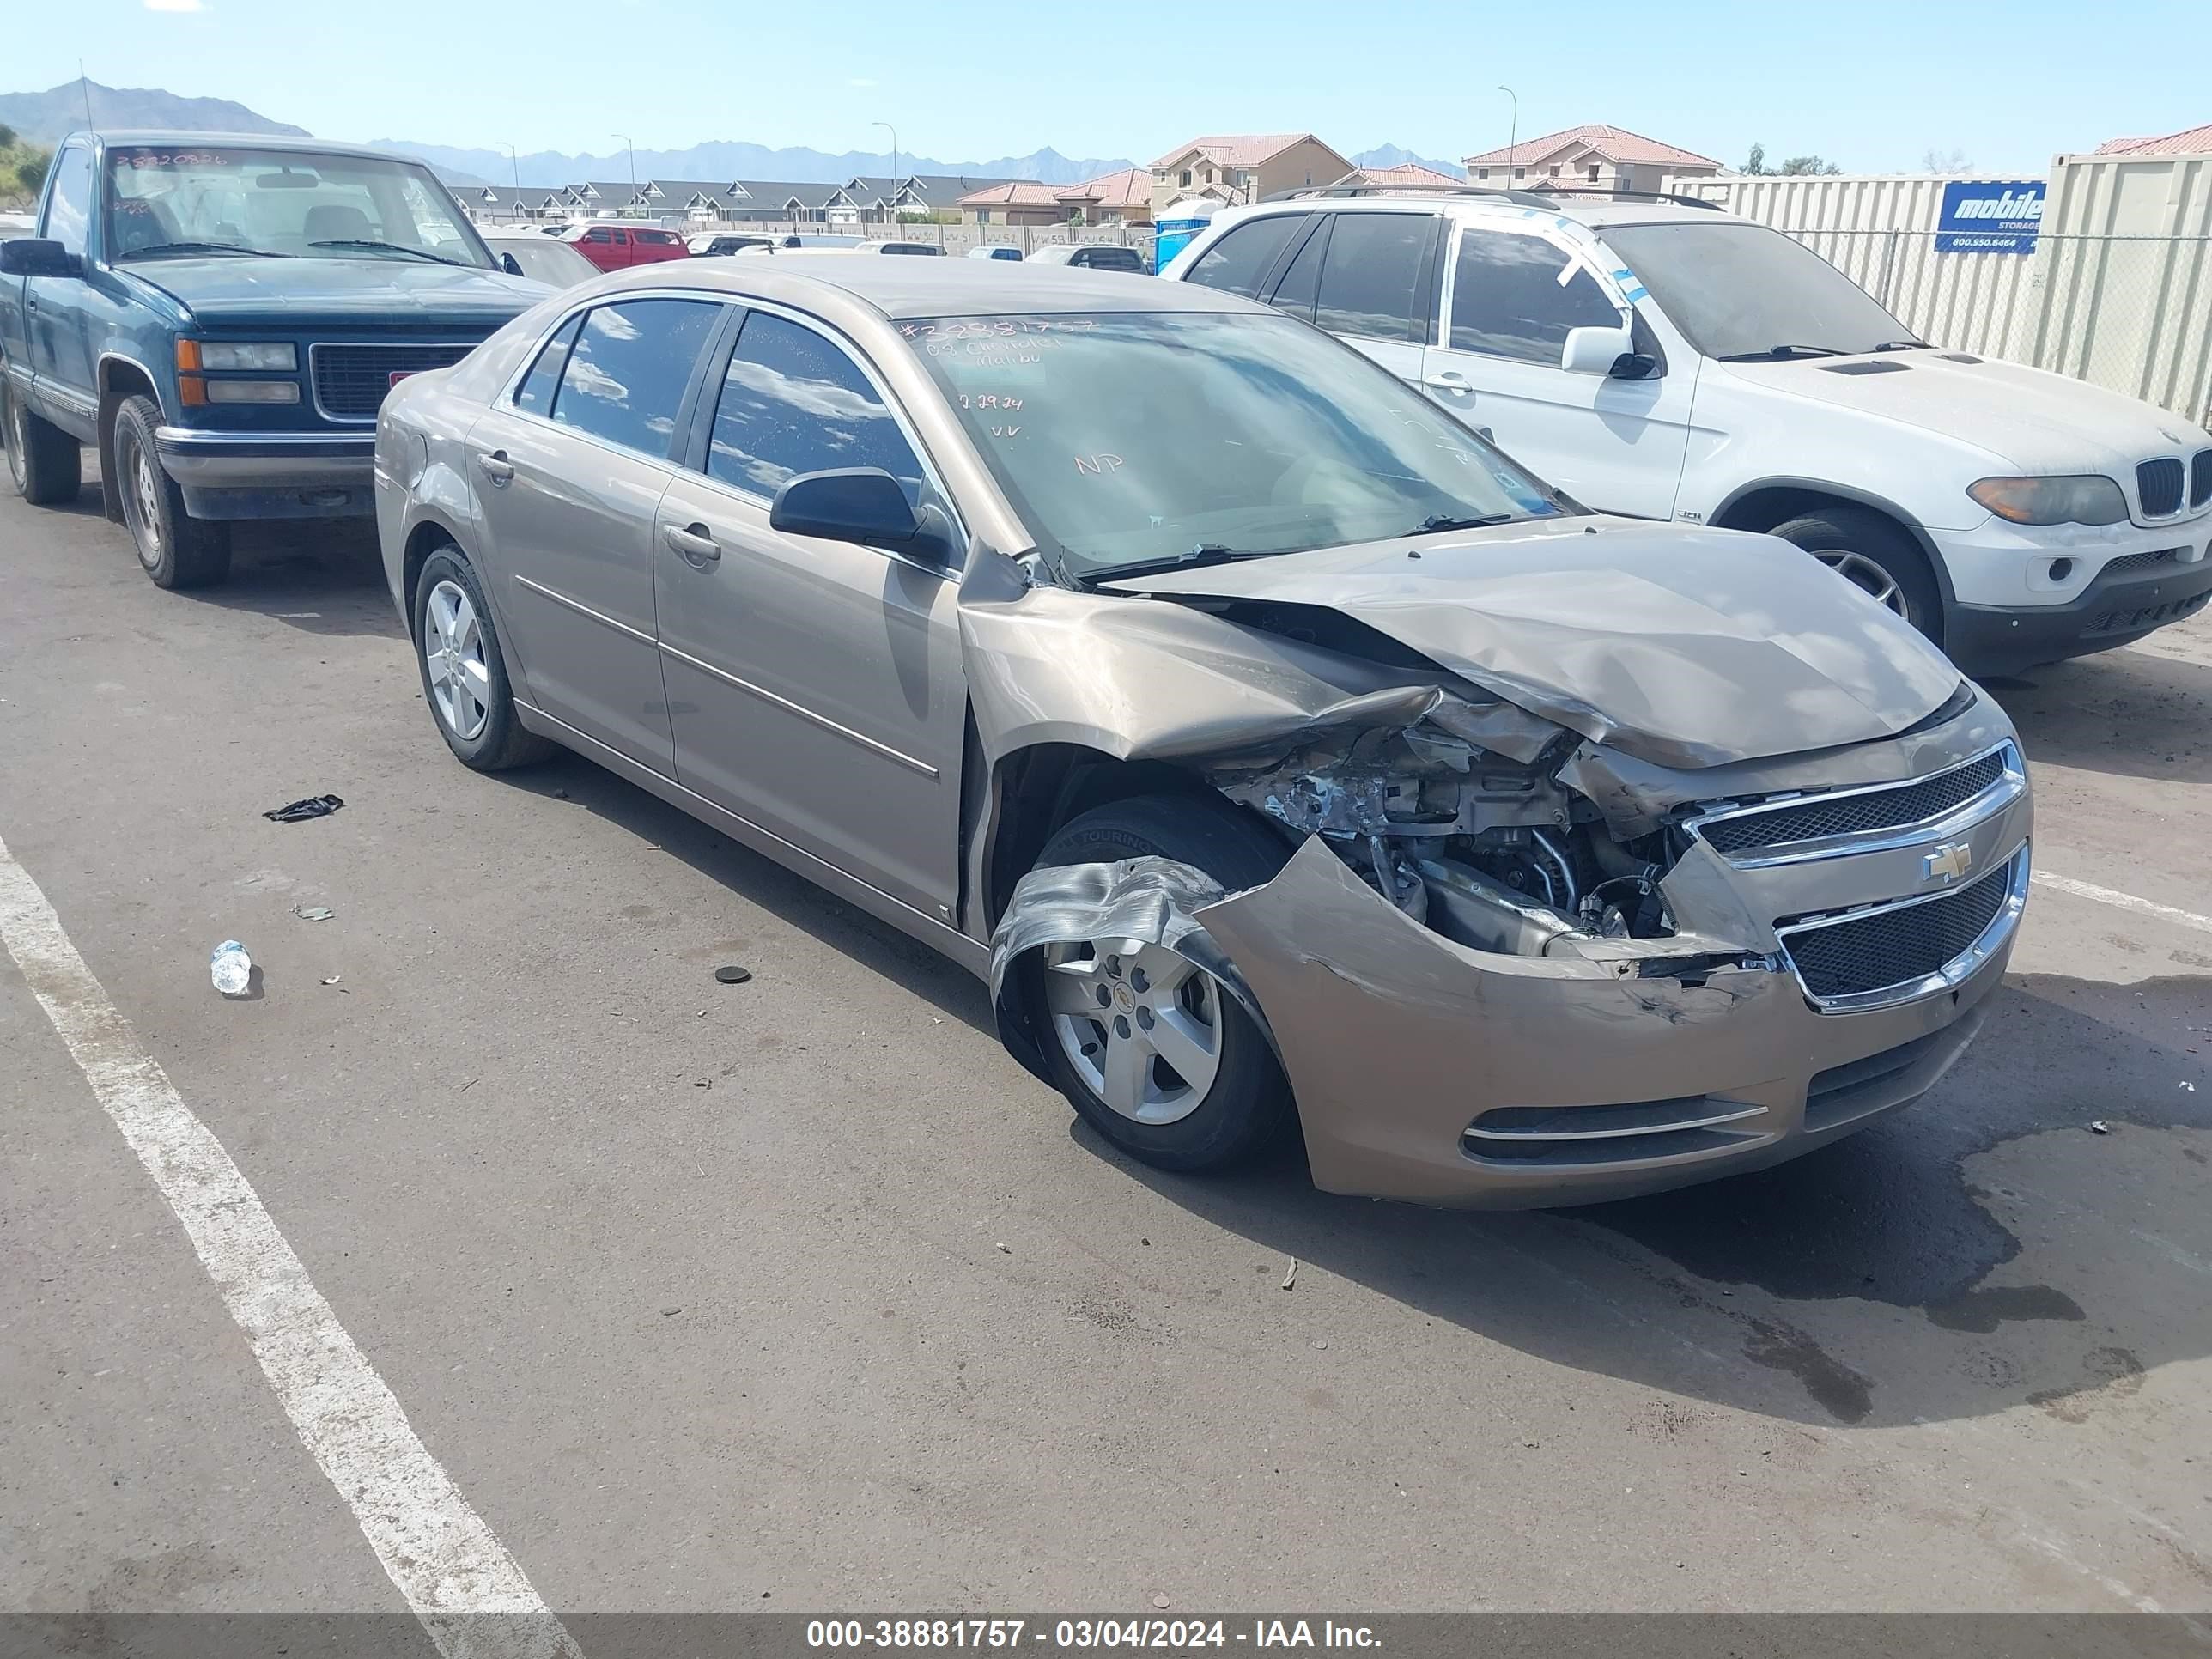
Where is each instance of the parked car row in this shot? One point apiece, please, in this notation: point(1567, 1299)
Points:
point(1283, 753)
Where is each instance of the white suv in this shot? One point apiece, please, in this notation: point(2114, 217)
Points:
point(1659, 357)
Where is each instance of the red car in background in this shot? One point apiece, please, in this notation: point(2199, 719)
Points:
point(618, 246)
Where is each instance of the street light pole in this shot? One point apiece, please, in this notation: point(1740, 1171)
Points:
point(632, 148)
point(1513, 132)
point(513, 160)
point(893, 130)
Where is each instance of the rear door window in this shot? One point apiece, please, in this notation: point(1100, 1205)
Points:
point(1241, 261)
point(793, 402)
point(631, 364)
point(1515, 297)
point(1370, 278)
point(1301, 283)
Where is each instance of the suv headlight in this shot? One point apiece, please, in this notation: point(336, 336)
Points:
point(2089, 499)
point(277, 356)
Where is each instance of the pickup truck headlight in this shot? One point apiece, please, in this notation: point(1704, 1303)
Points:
point(253, 392)
point(2089, 499)
point(279, 356)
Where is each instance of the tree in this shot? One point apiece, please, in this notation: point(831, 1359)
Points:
point(1950, 160)
point(31, 174)
point(7, 136)
point(1755, 164)
point(1798, 165)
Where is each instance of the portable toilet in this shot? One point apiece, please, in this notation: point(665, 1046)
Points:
point(1176, 224)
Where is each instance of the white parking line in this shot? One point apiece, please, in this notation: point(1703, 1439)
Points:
point(437, 1549)
point(2141, 907)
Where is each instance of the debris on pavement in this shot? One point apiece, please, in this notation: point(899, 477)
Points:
point(313, 912)
point(2187, 1084)
point(2100, 1128)
point(315, 806)
point(1291, 1277)
point(331, 980)
point(1160, 1602)
point(1003, 1249)
point(731, 974)
point(231, 969)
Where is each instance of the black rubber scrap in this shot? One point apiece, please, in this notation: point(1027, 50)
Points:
point(733, 974)
point(315, 806)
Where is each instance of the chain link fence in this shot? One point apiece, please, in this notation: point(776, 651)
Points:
point(2130, 313)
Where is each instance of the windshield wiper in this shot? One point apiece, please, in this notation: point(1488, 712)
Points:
point(1205, 553)
point(1437, 523)
point(1775, 353)
point(391, 247)
point(1902, 345)
point(159, 250)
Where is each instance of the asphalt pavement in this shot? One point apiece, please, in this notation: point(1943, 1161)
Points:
point(799, 1294)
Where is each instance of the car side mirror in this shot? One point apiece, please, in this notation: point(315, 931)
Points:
point(31, 256)
point(1633, 365)
point(510, 264)
point(1594, 350)
point(862, 504)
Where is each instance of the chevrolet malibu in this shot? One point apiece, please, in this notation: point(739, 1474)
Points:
point(1282, 755)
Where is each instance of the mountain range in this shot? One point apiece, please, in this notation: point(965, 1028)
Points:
point(45, 116)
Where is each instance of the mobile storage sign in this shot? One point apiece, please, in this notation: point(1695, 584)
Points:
point(1982, 216)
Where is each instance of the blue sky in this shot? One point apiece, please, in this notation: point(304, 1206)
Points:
point(1873, 84)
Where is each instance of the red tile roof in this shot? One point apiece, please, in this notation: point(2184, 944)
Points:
point(1405, 173)
point(2197, 140)
point(1246, 149)
point(1020, 193)
point(1616, 144)
point(1129, 188)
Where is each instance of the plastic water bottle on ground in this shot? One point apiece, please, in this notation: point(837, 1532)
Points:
point(231, 967)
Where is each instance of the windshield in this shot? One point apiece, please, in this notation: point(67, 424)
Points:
point(166, 200)
point(1738, 289)
point(1130, 439)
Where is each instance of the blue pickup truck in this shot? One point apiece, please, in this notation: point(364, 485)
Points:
point(222, 316)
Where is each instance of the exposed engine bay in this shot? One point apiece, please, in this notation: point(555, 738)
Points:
point(1492, 852)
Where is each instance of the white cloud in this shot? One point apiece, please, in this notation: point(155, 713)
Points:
point(176, 5)
point(862, 83)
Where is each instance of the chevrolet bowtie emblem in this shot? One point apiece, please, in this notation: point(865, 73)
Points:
point(1947, 862)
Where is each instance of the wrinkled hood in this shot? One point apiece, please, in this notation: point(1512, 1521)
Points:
point(227, 289)
point(1684, 647)
point(2038, 421)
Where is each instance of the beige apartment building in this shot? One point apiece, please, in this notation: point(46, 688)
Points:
point(1237, 168)
point(1602, 157)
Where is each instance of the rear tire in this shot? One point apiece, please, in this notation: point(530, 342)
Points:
point(44, 463)
point(1873, 554)
point(464, 672)
point(174, 549)
point(1114, 1060)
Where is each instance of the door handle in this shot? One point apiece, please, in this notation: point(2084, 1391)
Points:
point(1447, 380)
point(496, 467)
point(30, 302)
point(693, 542)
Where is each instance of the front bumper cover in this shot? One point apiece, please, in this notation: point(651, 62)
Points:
point(1397, 1041)
point(2115, 608)
point(269, 475)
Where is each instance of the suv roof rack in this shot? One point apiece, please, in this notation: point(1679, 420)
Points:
point(1632, 195)
point(1309, 192)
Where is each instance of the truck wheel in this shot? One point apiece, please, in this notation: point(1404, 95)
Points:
point(176, 550)
point(1153, 1052)
point(464, 670)
point(1873, 555)
point(44, 463)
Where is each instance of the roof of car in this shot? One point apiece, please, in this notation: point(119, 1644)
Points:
point(936, 287)
point(264, 140)
point(1596, 211)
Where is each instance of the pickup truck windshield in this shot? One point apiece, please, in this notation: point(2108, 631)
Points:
point(173, 201)
point(1743, 290)
point(1147, 438)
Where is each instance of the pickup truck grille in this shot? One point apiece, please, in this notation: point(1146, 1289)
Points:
point(1859, 813)
point(350, 381)
point(1896, 947)
point(2159, 485)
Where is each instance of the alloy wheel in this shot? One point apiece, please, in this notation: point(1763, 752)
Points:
point(1866, 575)
point(1140, 1025)
point(452, 650)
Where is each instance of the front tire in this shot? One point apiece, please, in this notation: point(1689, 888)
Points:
point(464, 672)
point(1875, 556)
point(174, 549)
point(44, 463)
point(1152, 1052)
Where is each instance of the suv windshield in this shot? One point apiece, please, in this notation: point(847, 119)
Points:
point(1743, 290)
point(166, 200)
point(1157, 436)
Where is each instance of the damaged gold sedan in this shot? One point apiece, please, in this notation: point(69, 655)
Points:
point(1284, 754)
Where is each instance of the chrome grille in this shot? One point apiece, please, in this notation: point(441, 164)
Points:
point(350, 381)
point(1900, 945)
point(1860, 813)
point(2200, 478)
point(2158, 487)
point(2120, 566)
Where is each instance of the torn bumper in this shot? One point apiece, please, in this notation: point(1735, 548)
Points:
point(1428, 1071)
